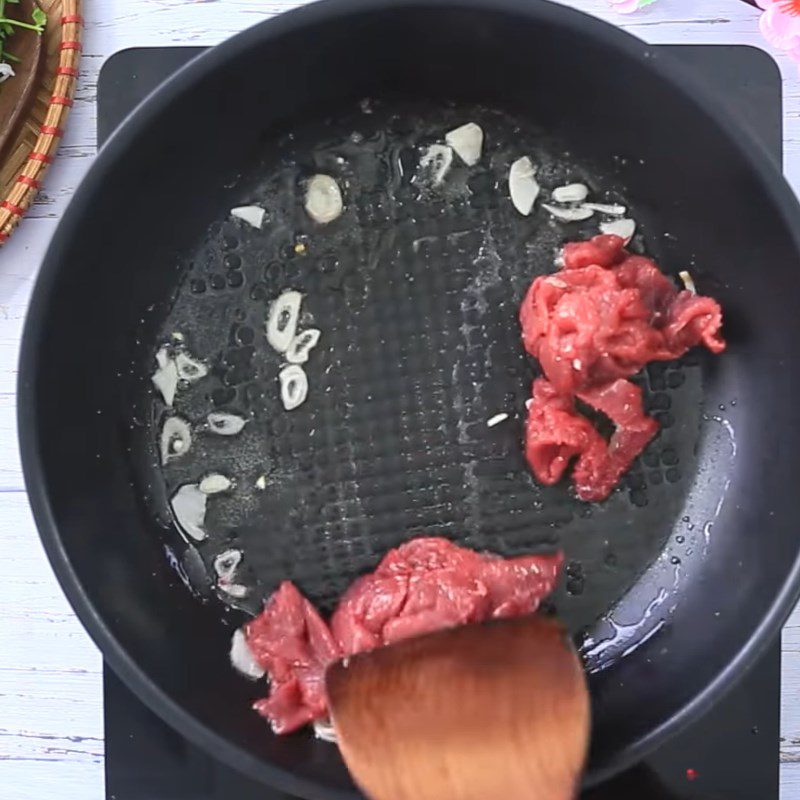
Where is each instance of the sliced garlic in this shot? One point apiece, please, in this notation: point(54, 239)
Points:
point(176, 438)
point(569, 214)
point(688, 281)
point(522, 185)
point(324, 730)
point(467, 141)
point(225, 424)
point(302, 345)
point(571, 193)
point(252, 215)
point(294, 386)
point(624, 228)
point(242, 658)
point(436, 161)
point(612, 209)
point(225, 564)
point(236, 590)
point(190, 369)
point(282, 320)
point(261, 483)
point(215, 483)
point(189, 508)
point(165, 378)
point(323, 199)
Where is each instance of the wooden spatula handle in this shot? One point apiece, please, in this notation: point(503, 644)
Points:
point(489, 712)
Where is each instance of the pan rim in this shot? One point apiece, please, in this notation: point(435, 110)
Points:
point(752, 151)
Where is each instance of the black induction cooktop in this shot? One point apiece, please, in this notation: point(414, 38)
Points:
point(729, 754)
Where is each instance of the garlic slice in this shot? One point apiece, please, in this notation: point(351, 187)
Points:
point(225, 564)
point(252, 215)
point(612, 209)
point(190, 369)
point(176, 438)
point(282, 320)
point(189, 508)
point(237, 590)
point(522, 185)
point(619, 227)
point(294, 386)
point(436, 160)
point(302, 345)
point(165, 378)
point(242, 658)
point(571, 193)
point(324, 730)
point(225, 424)
point(323, 199)
point(569, 214)
point(215, 483)
point(688, 281)
point(467, 141)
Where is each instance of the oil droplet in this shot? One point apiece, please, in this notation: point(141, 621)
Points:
point(574, 569)
point(575, 586)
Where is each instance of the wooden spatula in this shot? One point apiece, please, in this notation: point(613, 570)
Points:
point(497, 711)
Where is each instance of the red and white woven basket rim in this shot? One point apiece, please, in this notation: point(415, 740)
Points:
point(29, 178)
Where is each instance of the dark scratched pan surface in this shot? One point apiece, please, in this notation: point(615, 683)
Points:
point(416, 290)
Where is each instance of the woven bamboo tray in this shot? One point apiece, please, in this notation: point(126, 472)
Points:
point(38, 137)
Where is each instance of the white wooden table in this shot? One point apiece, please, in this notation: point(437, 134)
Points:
point(51, 732)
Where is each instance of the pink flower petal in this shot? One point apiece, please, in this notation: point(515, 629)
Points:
point(624, 6)
point(780, 27)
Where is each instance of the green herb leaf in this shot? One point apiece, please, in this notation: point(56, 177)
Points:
point(39, 17)
point(9, 25)
point(15, 23)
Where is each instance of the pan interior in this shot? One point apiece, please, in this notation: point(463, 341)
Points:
point(415, 289)
point(419, 350)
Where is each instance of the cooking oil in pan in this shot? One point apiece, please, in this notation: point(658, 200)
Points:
point(415, 289)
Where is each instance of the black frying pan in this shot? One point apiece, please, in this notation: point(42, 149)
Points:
point(676, 583)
